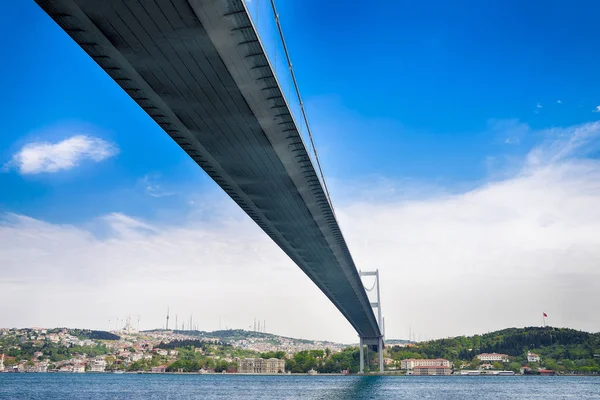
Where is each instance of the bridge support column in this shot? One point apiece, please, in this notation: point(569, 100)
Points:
point(376, 344)
point(380, 353)
point(362, 356)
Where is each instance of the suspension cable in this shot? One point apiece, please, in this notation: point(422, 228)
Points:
point(304, 116)
point(372, 287)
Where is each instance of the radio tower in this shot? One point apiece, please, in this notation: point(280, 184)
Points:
point(167, 326)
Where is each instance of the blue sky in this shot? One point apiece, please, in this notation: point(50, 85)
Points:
point(403, 89)
point(404, 97)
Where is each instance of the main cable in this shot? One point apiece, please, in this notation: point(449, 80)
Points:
point(304, 116)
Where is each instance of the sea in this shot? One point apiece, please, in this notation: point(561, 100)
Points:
point(50, 386)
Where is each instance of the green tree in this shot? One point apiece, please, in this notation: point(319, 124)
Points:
point(514, 366)
point(475, 363)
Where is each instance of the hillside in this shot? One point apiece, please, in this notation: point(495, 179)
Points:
point(559, 348)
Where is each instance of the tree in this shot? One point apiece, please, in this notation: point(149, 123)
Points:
point(475, 363)
point(514, 366)
point(497, 365)
point(273, 354)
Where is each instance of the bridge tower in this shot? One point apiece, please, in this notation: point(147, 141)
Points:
point(375, 342)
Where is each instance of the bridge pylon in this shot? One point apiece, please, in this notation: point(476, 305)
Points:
point(374, 342)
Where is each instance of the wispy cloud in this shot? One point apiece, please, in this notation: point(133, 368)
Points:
point(46, 157)
point(510, 131)
point(559, 101)
point(564, 143)
point(597, 109)
point(154, 189)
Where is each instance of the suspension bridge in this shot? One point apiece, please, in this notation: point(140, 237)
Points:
point(198, 68)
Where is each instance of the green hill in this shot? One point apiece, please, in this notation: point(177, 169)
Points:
point(560, 349)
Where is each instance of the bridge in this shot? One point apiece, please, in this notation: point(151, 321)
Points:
point(200, 70)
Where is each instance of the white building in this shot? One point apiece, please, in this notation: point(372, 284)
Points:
point(411, 363)
point(432, 370)
point(532, 357)
point(96, 364)
point(53, 337)
point(136, 357)
point(261, 366)
point(79, 368)
point(493, 357)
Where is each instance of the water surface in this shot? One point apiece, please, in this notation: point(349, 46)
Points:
point(164, 386)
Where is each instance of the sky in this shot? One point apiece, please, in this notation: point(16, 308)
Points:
point(460, 141)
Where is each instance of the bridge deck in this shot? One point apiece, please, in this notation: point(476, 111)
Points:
point(198, 68)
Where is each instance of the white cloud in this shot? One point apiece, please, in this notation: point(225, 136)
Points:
point(488, 257)
point(154, 189)
point(511, 131)
point(45, 157)
point(564, 143)
point(597, 109)
point(538, 105)
point(559, 101)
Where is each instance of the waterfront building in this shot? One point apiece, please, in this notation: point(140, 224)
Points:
point(525, 370)
point(96, 364)
point(411, 363)
point(431, 370)
point(79, 368)
point(37, 367)
point(161, 369)
point(532, 357)
point(261, 366)
point(493, 357)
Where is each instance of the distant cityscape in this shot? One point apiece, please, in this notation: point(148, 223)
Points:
point(564, 351)
point(74, 350)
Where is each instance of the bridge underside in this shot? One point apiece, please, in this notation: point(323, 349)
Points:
point(198, 68)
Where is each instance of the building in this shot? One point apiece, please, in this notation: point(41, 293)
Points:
point(275, 366)
point(532, 357)
point(261, 366)
point(136, 357)
point(53, 337)
point(546, 372)
point(161, 369)
point(37, 367)
point(79, 368)
point(411, 363)
point(431, 370)
point(493, 357)
point(96, 364)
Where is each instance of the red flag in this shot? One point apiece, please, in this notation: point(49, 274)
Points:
point(545, 315)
